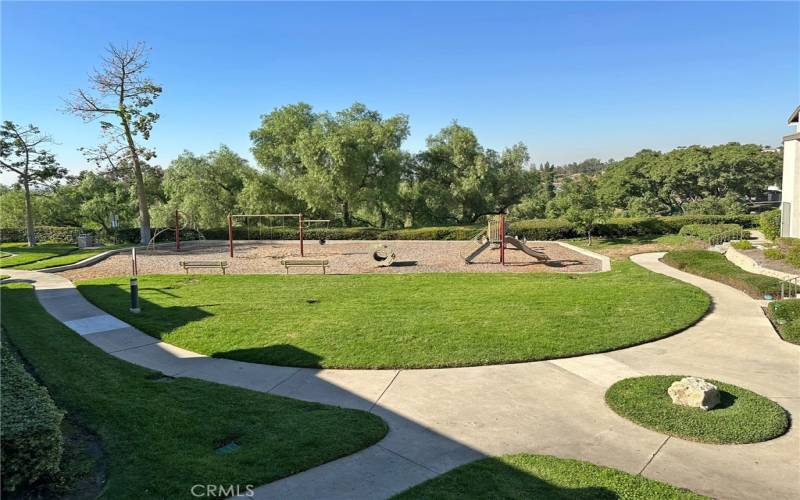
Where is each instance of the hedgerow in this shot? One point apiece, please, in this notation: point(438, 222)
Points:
point(31, 439)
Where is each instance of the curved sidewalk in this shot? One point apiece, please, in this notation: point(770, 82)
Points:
point(443, 418)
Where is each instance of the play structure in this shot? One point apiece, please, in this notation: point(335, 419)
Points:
point(180, 222)
point(302, 225)
point(495, 235)
point(383, 254)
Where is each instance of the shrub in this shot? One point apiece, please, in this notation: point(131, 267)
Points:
point(774, 253)
point(532, 229)
point(742, 245)
point(770, 224)
point(709, 231)
point(793, 256)
point(787, 244)
point(786, 315)
point(49, 234)
point(31, 426)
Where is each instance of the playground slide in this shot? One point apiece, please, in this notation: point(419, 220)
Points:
point(536, 254)
point(477, 252)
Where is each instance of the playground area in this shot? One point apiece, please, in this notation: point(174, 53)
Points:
point(344, 257)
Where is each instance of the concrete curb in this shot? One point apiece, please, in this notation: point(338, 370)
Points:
point(605, 261)
point(748, 264)
point(85, 262)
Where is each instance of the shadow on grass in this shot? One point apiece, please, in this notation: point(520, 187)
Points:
point(156, 320)
point(288, 355)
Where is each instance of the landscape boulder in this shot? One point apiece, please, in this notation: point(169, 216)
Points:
point(694, 392)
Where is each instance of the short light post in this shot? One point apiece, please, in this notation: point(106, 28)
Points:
point(134, 283)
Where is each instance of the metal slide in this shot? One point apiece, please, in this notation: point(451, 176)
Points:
point(477, 252)
point(536, 254)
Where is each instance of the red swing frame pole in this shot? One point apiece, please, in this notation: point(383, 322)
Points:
point(177, 232)
point(502, 240)
point(230, 235)
point(302, 254)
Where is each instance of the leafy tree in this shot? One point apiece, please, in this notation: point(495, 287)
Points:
point(206, 188)
point(730, 204)
point(22, 152)
point(579, 203)
point(121, 90)
point(331, 162)
point(459, 181)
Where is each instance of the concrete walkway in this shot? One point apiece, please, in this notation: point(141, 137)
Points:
point(443, 418)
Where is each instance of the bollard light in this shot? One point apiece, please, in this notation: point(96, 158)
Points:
point(135, 295)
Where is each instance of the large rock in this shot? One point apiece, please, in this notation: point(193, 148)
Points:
point(694, 392)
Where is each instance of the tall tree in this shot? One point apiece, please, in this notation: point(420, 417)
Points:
point(22, 152)
point(206, 188)
point(333, 163)
point(120, 89)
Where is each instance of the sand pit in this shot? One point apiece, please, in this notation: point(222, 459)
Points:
point(345, 257)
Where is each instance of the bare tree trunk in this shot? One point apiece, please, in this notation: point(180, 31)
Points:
point(29, 213)
point(144, 212)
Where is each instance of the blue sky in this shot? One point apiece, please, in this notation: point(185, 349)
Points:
point(570, 80)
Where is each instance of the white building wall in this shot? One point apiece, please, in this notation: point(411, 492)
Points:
point(791, 185)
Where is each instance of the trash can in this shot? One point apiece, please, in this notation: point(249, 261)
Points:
point(85, 240)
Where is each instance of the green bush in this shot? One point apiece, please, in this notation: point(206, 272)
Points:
point(770, 224)
point(49, 234)
point(786, 315)
point(31, 426)
point(742, 245)
point(715, 266)
point(787, 244)
point(709, 231)
point(793, 256)
point(774, 253)
point(532, 229)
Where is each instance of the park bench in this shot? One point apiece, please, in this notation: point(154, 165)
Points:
point(196, 264)
point(304, 263)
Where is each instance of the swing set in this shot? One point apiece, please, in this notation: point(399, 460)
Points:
point(302, 225)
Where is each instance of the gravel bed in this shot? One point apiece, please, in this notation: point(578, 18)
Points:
point(344, 257)
point(776, 265)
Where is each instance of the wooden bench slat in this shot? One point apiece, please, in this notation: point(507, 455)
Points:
point(186, 264)
point(307, 263)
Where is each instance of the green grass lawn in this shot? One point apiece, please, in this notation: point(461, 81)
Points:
point(26, 255)
point(159, 435)
point(715, 266)
point(47, 255)
point(405, 320)
point(542, 477)
point(741, 417)
point(786, 315)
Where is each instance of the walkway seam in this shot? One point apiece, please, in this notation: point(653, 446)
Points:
point(284, 380)
point(130, 348)
point(653, 456)
point(407, 459)
point(384, 391)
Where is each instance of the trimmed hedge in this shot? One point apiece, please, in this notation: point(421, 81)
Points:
point(31, 426)
point(49, 234)
point(709, 231)
point(531, 229)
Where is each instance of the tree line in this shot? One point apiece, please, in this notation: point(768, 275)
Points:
point(348, 166)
